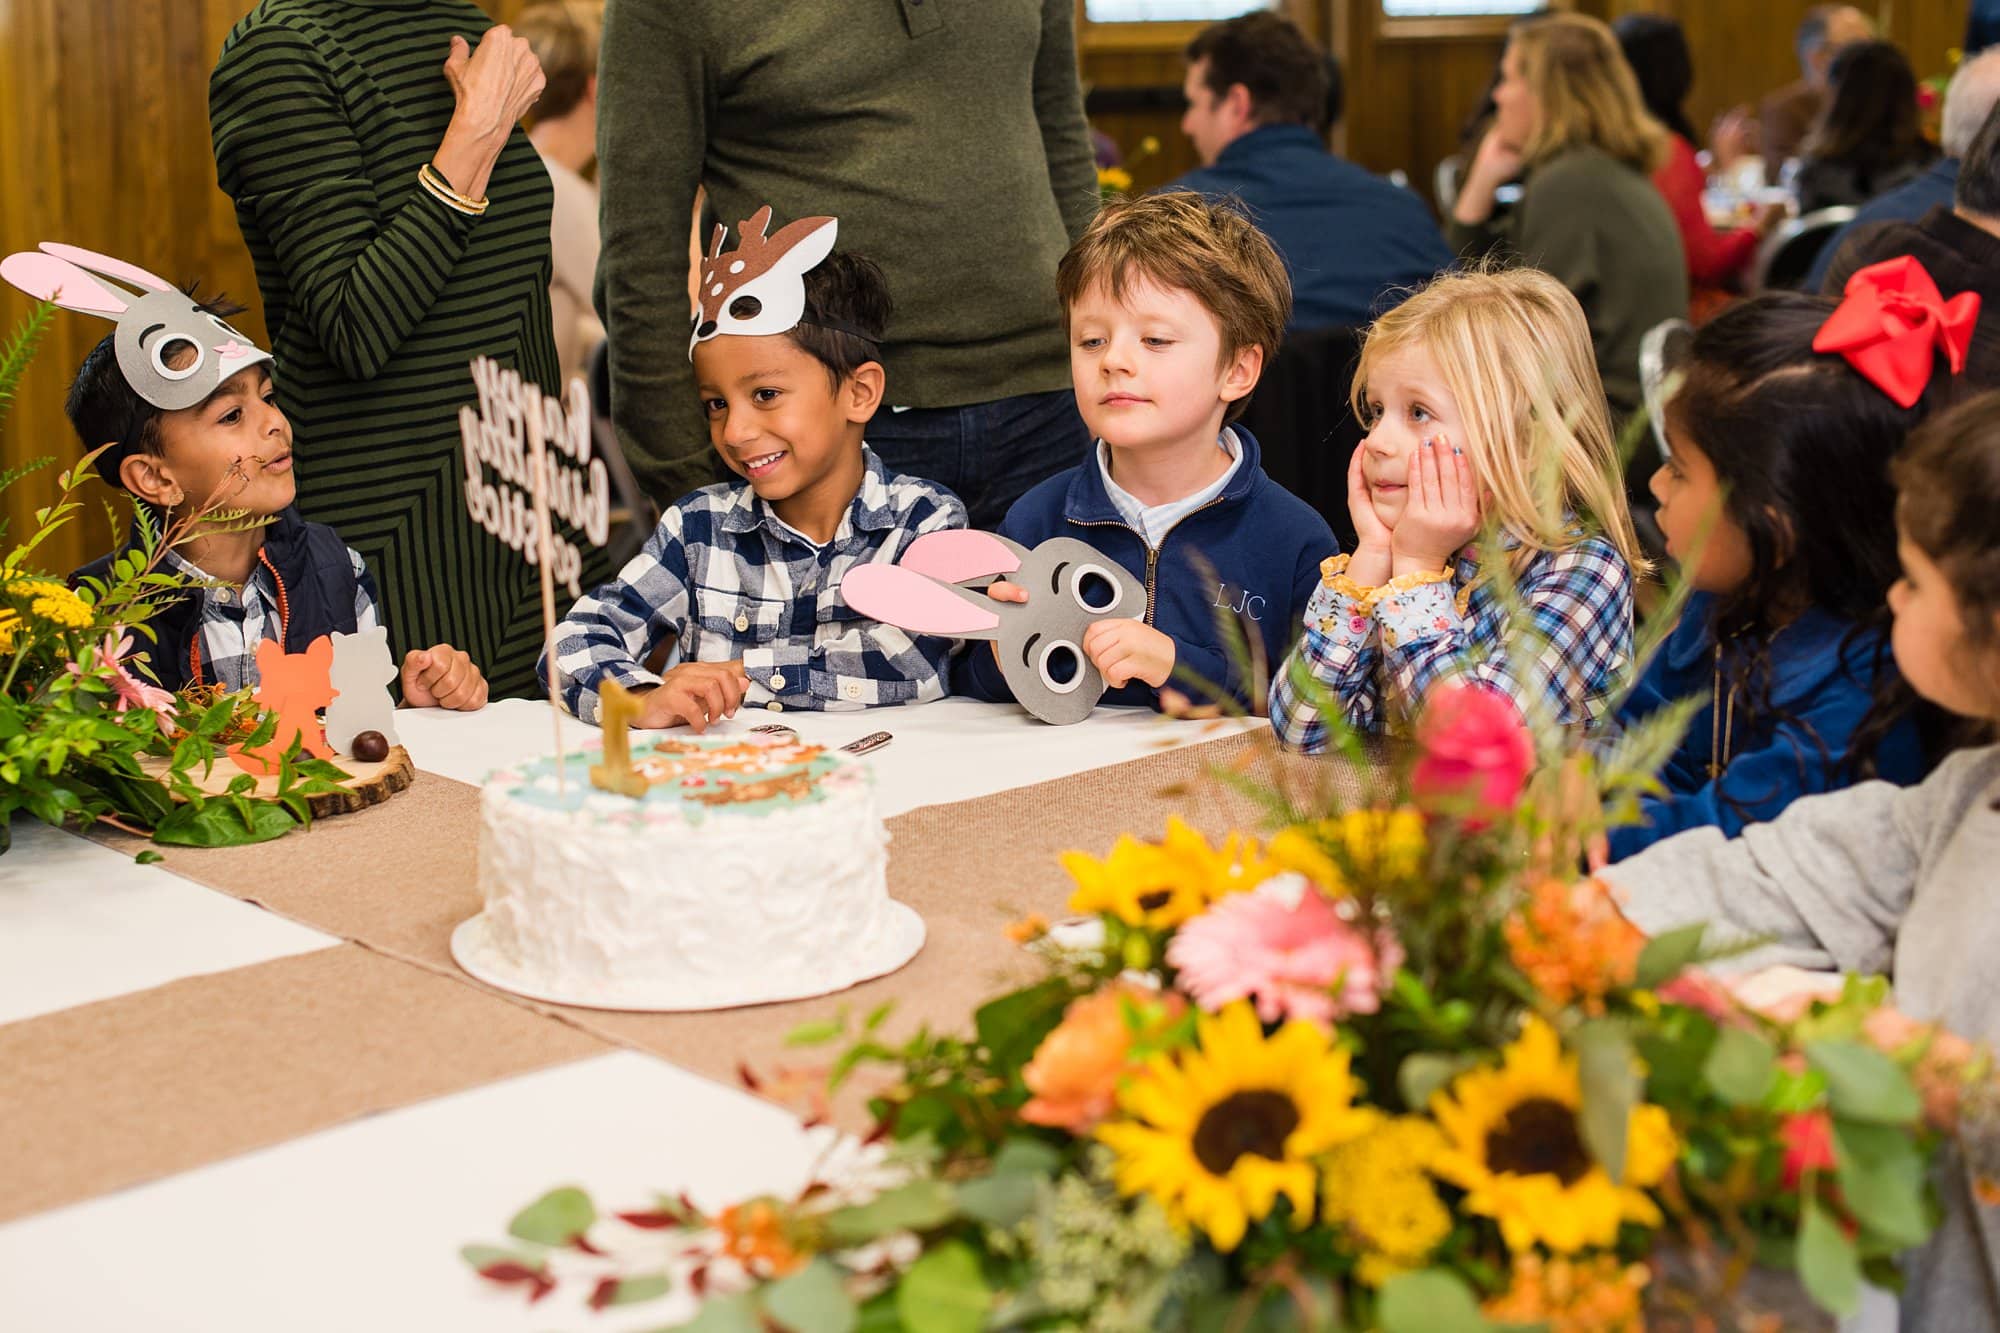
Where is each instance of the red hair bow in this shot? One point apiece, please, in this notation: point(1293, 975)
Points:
point(1890, 321)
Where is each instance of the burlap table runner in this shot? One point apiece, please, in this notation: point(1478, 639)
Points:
point(145, 1085)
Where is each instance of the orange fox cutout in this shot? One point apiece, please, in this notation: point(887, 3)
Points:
point(295, 686)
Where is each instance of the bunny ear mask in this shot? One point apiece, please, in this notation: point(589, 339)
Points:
point(1039, 644)
point(153, 317)
point(759, 288)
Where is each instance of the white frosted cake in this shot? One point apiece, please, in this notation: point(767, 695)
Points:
point(753, 869)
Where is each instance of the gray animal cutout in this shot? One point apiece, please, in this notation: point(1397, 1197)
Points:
point(936, 587)
point(362, 670)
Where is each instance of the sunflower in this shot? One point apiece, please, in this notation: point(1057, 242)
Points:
point(1376, 844)
point(1159, 885)
point(1514, 1145)
point(1217, 1134)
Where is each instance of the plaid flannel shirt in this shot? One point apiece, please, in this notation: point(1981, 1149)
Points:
point(234, 621)
point(733, 582)
point(1379, 651)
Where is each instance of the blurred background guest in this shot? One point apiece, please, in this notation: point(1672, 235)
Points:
point(1568, 114)
point(1787, 116)
point(1870, 137)
point(564, 131)
point(1968, 100)
point(1657, 50)
point(1959, 246)
point(1257, 94)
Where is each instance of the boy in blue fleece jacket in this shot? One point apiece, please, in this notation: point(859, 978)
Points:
point(1173, 305)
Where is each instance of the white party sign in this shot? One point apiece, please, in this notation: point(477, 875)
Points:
point(500, 438)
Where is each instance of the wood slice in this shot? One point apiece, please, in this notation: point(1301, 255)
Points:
point(367, 784)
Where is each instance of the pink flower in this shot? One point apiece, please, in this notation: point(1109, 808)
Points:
point(1284, 946)
point(1476, 751)
point(1808, 1138)
point(132, 692)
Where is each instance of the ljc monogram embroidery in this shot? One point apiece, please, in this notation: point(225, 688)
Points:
point(1247, 603)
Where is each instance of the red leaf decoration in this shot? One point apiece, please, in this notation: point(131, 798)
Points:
point(657, 1220)
point(582, 1242)
point(508, 1273)
point(602, 1293)
point(749, 1077)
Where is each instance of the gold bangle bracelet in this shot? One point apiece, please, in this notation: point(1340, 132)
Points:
point(438, 188)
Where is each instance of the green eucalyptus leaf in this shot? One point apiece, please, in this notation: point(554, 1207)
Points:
point(1827, 1262)
point(644, 1287)
point(917, 1206)
point(1422, 1074)
point(1027, 1156)
point(1742, 1067)
point(1882, 1174)
point(944, 1292)
point(1667, 955)
point(723, 1314)
point(1429, 1301)
point(485, 1256)
point(1608, 1070)
point(1864, 1084)
point(812, 1300)
point(998, 1200)
point(557, 1218)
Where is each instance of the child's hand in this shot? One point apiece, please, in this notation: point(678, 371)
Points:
point(1441, 513)
point(1002, 591)
point(697, 693)
point(442, 677)
point(1368, 564)
point(1128, 650)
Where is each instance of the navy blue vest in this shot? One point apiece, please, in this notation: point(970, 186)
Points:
point(319, 590)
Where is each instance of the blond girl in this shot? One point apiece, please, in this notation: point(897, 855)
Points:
point(1485, 413)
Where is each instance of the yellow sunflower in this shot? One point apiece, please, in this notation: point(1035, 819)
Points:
point(1218, 1134)
point(1378, 844)
point(1160, 885)
point(1512, 1142)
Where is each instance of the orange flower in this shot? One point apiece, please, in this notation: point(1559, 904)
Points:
point(1573, 942)
point(1595, 1295)
point(754, 1235)
point(1075, 1071)
point(1028, 929)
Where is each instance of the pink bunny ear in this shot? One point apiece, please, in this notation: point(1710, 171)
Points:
point(899, 596)
point(109, 267)
point(47, 278)
point(958, 554)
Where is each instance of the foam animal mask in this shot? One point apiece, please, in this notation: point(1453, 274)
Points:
point(153, 321)
point(759, 288)
point(935, 589)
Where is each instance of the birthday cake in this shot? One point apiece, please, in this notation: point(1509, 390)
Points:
point(752, 868)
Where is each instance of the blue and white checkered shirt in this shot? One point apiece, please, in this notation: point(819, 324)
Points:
point(734, 582)
point(1379, 651)
point(235, 620)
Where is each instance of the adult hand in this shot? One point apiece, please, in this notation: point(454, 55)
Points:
point(442, 677)
point(1128, 650)
point(1441, 513)
point(494, 86)
point(1368, 565)
point(1496, 163)
point(697, 693)
point(1732, 138)
point(1769, 218)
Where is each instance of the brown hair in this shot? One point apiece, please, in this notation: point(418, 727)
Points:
point(1204, 247)
point(1514, 350)
point(563, 36)
point(1948, 506)
point(1285, 74)
point(1871, 119)
point(1588, 94)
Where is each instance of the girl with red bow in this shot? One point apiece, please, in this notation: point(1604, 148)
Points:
point(1776, 501)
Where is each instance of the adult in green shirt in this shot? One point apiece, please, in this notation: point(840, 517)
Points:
point(1568, 115)
point(379, 290)
point(948, 138)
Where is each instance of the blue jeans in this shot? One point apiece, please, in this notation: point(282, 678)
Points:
point(989, 454)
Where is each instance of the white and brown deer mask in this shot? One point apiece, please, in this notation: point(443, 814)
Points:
point(759, 288)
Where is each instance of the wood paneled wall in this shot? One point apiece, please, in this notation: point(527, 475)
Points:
point(106, 104)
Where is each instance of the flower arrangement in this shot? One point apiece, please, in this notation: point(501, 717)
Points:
point(1397, 1065)
point(85, 736)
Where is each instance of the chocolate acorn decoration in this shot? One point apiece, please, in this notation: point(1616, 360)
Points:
point(370, 747)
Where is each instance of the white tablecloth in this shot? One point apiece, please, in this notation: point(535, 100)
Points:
point(358, 1227)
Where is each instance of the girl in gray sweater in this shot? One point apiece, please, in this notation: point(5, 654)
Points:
point(1902, 880)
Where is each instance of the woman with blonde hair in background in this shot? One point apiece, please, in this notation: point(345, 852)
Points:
point(1568, 115)
point(1485, 416)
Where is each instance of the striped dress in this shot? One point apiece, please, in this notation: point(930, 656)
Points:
point(377, 297)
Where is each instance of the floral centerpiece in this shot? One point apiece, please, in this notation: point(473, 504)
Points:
point(85, 734)
point(1396, 1065)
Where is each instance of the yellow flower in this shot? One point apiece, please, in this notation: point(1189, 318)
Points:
point(1161, 885)
point(1114, 180)
point(1376, 844)
point(1218, 1134)
point(60, 606)
point(1514, 1145)
point(1379, 1188)
point(9, 623)
point(1300, 848)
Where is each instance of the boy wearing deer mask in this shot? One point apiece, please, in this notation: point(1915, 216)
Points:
point(745, 576)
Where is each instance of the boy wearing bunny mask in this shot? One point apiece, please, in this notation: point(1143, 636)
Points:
point(183, 407)
point(745, 576)
point(1173, 305)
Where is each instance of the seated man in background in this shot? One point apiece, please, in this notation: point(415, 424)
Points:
point(1256, 89)
point(1974, 91)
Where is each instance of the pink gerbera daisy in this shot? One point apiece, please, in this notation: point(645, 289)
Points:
point(131, 691)
point(1285, 947)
